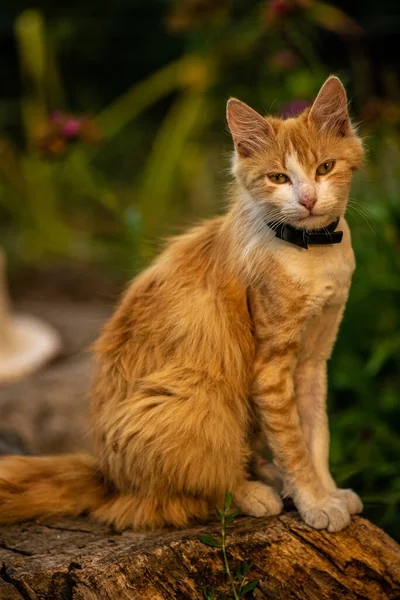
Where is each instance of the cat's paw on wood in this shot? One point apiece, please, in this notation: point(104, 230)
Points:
point(351, 499)
point(255, 499)
point(333, 515)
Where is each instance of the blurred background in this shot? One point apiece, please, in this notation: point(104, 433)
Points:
point(113, 135)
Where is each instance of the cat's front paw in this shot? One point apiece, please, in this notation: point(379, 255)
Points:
point(332, 515)
point(351, 499)
point(258, 500)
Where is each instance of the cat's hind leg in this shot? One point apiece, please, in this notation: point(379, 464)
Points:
point(173, 440)
point(267, 473)
point(261, 469)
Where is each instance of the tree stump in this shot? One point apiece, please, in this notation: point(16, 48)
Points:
point(81, 560)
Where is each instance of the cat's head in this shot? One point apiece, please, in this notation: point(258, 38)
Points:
point(297, 170)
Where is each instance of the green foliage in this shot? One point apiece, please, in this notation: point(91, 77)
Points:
point(242, 586)
point(91, 202)
point(364, 372)
point(210, 541)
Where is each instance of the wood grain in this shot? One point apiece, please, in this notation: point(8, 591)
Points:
point(80, 560)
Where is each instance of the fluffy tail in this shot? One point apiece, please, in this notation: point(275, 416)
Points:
point(71, 484)
point(33, 487)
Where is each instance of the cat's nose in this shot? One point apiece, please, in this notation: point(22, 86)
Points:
point(308, 200)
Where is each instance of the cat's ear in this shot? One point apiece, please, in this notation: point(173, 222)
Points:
point(249, 130)
point(329, 111)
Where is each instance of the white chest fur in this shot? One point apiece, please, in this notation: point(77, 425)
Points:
point(323, 272)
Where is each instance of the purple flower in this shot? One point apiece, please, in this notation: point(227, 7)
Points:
point(279, 7)
point(71, 128)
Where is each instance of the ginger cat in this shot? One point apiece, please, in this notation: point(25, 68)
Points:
point(224, 339)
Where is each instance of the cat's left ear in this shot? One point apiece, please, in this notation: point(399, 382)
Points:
point(329, 111)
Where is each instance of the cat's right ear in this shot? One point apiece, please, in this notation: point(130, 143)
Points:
point(249, 130)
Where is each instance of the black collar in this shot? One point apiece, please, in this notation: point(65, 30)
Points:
point(304, 238)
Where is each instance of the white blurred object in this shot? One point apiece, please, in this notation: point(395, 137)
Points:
point(26, 343)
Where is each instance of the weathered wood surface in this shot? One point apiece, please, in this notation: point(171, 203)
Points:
point(80, 560)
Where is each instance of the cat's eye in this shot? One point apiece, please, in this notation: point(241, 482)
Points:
point(278, 177)
point(325, 167)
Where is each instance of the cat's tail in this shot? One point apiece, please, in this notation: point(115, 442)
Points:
point(33, 487)
point(71, 484)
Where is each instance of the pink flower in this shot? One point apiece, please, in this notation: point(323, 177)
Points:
point(71, 128)
point(275, 10)
point(279, 7)
point(285, 60)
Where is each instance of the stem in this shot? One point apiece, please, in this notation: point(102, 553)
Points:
point(139, 97)
point(162, 167)
point(31, 44)
point(226, 563)
point(5, 316)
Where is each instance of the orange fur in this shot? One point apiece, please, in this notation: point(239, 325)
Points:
point(227, 326)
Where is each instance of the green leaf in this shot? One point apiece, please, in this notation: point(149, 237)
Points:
point(209, 541)
point(228, 500)
point(246, 568)
point(250, 586)
point(218, 513)
point(209, 594)
point(385, 350)
point(231, 516)
point(239, 573)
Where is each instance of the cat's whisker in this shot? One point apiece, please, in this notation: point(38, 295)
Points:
point(362, 205)
point(360, 210)
point(366, 221)
point(354, 201)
